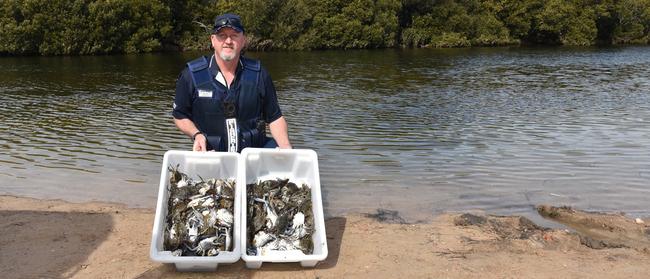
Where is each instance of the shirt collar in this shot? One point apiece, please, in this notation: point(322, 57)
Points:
point(216, 74)
point(214, 67)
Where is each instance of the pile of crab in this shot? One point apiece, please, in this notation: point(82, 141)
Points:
point(199, 220)
point(279, 217)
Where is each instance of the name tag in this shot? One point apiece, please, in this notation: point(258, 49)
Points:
point(205, 93)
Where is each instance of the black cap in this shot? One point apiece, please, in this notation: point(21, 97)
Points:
point(228, 20)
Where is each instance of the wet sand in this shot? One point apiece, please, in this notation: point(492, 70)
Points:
point(54, 239)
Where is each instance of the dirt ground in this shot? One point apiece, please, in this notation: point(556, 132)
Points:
point(55, 239)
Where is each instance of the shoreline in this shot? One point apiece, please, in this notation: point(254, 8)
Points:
point(261, 51)
point(53, 238)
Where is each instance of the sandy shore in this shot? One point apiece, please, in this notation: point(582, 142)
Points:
point(54, 239)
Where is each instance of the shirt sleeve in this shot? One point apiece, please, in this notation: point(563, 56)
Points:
point(271, 108)
point(183, 101)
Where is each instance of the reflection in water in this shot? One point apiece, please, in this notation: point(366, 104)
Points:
point(419, 131)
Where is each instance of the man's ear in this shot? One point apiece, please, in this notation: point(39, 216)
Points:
point(212, 38)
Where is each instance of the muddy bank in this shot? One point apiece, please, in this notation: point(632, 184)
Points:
point(40, 238)
point(599, 230)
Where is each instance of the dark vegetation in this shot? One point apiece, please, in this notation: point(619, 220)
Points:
point(64, 27)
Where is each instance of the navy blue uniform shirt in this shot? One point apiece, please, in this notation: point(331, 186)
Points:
point(186, 93)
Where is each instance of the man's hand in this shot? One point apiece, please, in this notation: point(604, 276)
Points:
point(287, 146)
point(199, 143)
point(187, 127)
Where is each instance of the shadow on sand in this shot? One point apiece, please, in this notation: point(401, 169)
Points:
point(60, 250)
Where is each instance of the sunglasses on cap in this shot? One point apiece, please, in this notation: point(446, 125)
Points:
point(232, 22)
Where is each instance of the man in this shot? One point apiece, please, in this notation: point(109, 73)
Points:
point(223, 102)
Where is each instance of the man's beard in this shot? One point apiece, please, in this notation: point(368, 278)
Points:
point(227, 57)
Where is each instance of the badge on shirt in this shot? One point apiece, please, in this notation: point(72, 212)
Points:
point(205, 93)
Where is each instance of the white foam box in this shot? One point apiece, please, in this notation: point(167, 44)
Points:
point(298, 165)
point(220, 165)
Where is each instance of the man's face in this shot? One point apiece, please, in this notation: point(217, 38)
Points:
point(228, 43)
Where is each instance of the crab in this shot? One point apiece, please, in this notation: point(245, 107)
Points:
point(207, 247)
point(224, 217)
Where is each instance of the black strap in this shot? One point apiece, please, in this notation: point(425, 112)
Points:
point(199, 69)
point(253, 67)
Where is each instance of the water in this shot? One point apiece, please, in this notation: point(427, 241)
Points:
point(418, 131)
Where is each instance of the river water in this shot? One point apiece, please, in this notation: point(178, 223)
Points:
point(416, 131)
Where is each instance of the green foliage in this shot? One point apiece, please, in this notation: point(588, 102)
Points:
point(291, 22)
point(456, 24)
point(127, 26)
point(518, 17)
point(566, 22)
point(634, 22)
point(356, 24)
point(66, 27)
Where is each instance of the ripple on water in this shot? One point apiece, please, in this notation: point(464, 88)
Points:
point(418, 131)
